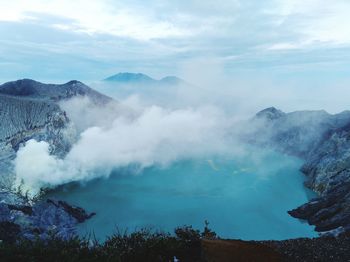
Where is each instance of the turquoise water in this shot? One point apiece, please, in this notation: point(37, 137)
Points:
point(246, 199)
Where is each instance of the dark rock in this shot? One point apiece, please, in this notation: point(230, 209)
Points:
point(9, 231)
point(24, 209)
point(329, 212)
point(5, 212)
point(77, 212)
point(43, 218)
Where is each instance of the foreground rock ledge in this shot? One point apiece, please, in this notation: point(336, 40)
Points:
point(42, 219)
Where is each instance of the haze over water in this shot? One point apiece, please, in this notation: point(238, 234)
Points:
point(246, 199)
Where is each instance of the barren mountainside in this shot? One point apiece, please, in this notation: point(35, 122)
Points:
point(30, 110)
point(323, 141)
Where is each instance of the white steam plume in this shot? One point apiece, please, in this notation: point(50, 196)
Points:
point(154, 136)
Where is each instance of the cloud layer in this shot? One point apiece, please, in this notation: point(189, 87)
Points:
point(54, 41)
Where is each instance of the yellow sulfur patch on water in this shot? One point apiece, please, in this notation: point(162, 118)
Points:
point(212, 165)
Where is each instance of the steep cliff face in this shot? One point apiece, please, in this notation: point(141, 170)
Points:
point(40, 219)
point(297, 133)
point(329, 164)
point(30, 110)
point(24, 119)
point(323, 141)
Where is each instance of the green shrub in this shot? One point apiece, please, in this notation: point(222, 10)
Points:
point(142, 245)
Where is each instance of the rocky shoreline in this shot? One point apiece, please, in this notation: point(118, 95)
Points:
point(43, 219)
point(322, 140)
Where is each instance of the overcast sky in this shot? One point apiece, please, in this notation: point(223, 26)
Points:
point(59, 40)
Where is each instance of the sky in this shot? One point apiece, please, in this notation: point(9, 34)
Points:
point(302, 42)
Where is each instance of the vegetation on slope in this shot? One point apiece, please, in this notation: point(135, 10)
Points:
point(142, 245)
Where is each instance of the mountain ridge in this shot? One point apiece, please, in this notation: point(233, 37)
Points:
point(322, 141)
point(140, 78)
point(31, 110)
point(29, 88)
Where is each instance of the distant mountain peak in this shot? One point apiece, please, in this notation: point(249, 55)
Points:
point(139, 78)
point(270, 113)
point(21, 87)
point(28, 88)
point(74, 82)
point(25, 81)
point(174, 80)
point(129, 77)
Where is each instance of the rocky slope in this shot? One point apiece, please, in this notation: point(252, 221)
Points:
point(298, 133)
point(30, 110)
point(40, 219)
point(323, 141)
point(27, 88)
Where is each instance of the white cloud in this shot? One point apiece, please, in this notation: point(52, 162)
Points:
point(157, 36)
point(318, 20)
point(284, 46)
point(94, 17)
